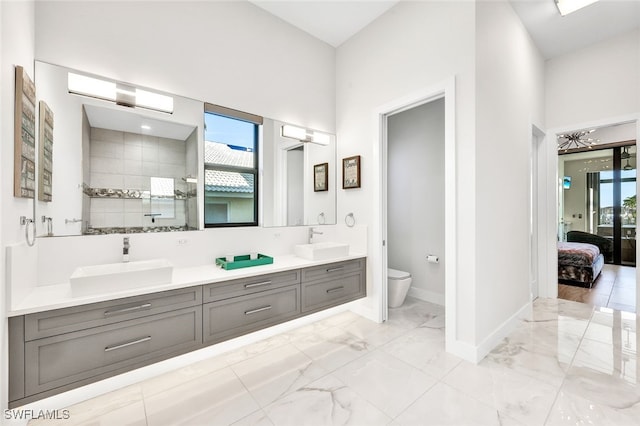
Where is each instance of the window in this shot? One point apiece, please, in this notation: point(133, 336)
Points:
point(627, 192)
point(230, 167)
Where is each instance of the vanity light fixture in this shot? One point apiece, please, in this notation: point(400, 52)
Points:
point(121, 94)
point(304, 135)
point(145, 127)
point(569, 6)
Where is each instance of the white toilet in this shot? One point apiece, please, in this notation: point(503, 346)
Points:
point(398, 285)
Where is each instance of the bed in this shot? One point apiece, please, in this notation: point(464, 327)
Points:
point(579, 263)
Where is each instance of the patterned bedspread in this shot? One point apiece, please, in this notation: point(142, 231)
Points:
point(577, 254)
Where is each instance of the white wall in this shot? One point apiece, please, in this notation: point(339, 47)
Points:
point(594, 83)
point(509, 100)
point(414, 46)
point(228, 53)
point(16, 48)
point(416, 197)
point(575, 198)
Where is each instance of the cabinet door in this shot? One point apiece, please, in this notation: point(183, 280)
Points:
point(241, 287)
point(233, 317)
point(319, 295)
point(16, 358)
point(74, 357)
point(332, 271)
point(51, 323)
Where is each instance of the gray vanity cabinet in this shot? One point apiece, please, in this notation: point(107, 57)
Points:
point(59, 321)
point(236, 316)
point(87, 354)
point(246, 286)
point(58, 350)
point(333, 284)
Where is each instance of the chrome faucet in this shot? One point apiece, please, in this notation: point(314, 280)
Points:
point(125, 249)
point(313, 232)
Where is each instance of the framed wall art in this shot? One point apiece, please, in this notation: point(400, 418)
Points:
point(351, 172)
point(321, 177)
point(24, 164)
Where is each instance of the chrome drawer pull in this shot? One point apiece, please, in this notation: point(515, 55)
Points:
point(255, 311)
point(124, 345)
point(257, 284)
point(126, 310)
point(333, 290)
point(339, 268)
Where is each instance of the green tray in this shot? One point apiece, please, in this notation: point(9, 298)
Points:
point(244, 261)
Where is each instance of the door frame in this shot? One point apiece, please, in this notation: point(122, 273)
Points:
point(537, 202)
point(379, 258)
point(549, 249)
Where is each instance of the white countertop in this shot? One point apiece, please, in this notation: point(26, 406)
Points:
point(45, 298)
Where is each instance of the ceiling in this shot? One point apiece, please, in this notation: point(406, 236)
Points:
point(556, 35)
point(333, 22)
point(125, 120)
point(336, 21)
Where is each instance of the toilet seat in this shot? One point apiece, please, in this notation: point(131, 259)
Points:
point(397, 275)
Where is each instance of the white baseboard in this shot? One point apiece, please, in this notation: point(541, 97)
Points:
point(427, 295)
point(463, 350)
point(502, 331)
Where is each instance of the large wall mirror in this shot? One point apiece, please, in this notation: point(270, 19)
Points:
point(298, 176)
point(117, 168)
point(120, 168)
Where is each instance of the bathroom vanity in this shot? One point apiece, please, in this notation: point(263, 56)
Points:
point(55, 350)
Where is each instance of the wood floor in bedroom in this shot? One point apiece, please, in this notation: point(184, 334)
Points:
point(615, 288)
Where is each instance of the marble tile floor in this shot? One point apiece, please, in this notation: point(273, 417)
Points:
point(615, 288)
point(571, 364)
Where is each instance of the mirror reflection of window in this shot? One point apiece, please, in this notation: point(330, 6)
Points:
point(162, 193)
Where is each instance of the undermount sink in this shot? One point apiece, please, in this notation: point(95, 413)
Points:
point(321, 251)
point(87, 280)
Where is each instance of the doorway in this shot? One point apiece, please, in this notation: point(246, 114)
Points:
point(597, 189)
point(379, 258)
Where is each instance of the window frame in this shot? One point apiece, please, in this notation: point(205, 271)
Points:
point(257, 121)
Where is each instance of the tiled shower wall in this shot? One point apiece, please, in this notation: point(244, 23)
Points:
point(122, 160)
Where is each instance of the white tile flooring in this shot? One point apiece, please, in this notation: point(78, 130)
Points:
point(573, 364)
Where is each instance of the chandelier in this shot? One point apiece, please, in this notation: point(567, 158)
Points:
point(567, 141)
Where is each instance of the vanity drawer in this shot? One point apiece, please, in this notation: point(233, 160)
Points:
point(73, 357)
point(228, 289)
point(67, 320)
point(233, 317)
point(323, 294)
point(333, 270)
